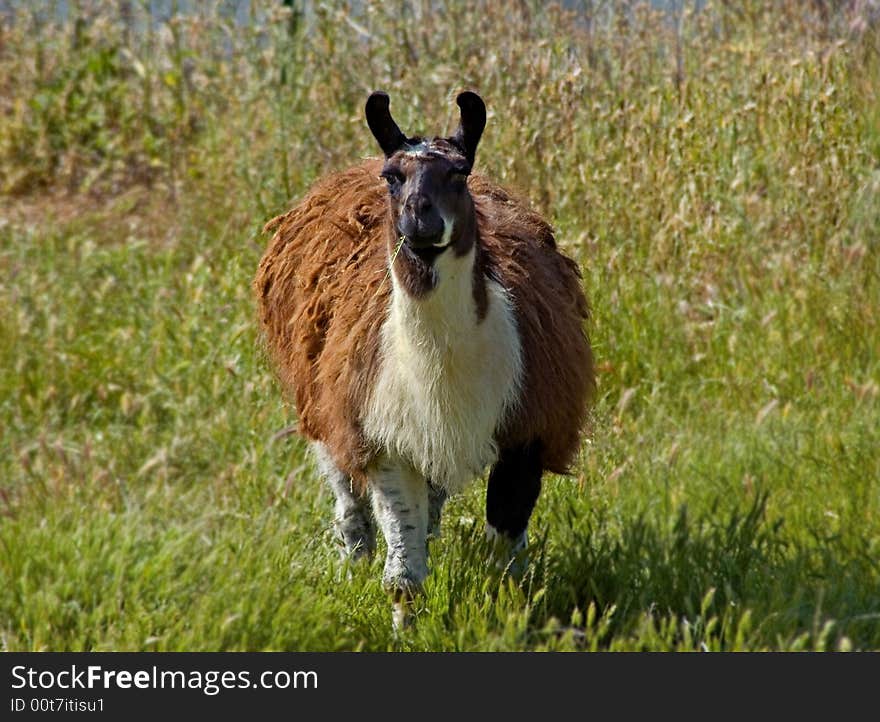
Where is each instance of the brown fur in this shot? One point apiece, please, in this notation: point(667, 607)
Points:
point(323, 290)
point(518, 249)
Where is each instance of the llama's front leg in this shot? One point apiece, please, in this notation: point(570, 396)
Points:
point(352, 518)
point(514, 486)
point(400, 504)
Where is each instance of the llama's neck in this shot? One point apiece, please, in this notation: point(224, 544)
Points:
point(449, 306)
point(448, 375)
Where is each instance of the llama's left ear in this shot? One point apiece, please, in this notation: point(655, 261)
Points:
point(381, 123)
point(473, 120)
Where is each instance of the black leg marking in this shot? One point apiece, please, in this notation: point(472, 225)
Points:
point(514, 486)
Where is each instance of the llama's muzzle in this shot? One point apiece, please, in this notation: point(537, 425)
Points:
point(418, 235)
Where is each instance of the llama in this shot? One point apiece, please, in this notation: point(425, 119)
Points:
point(427, 328)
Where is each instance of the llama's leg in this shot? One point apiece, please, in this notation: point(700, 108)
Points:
point(400, 504)
point(436, 500)
point(353, 519)
point(514, 486)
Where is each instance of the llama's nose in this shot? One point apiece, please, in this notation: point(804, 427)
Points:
point(420, 223)
point(419, 204)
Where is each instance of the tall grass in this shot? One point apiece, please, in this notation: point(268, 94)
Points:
point(715, 172)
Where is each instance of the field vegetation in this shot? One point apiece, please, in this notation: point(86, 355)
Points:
point(716, 173)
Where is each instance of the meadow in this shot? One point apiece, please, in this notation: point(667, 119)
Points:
point(715, 172)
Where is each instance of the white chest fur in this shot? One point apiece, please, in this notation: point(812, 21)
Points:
point(445, 380)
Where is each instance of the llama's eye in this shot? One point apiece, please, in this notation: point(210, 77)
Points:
point(458, 175)
point(394, 179)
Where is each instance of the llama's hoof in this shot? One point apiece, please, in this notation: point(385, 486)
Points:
point(402, 610)
point(508, 554)
point(356, 536)
point(355, 551)
point(352, 556)
point(404, 589)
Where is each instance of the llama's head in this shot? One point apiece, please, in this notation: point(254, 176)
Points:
point(431, 210)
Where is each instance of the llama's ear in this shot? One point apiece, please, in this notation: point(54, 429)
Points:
point(381, 123)
point(473, 120)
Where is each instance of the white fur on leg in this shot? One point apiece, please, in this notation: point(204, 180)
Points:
point(353, 522)
point(400, 505)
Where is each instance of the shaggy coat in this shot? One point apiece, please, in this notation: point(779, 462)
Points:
point(324, 287)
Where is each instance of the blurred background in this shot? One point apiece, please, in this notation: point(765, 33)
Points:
point(714, 166)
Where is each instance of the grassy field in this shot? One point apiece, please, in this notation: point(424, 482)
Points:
point(716, 174)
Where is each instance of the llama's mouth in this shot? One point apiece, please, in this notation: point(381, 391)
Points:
point(426, 251)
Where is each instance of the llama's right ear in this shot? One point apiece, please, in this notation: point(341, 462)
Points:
point(382, 125)
point(473, 121)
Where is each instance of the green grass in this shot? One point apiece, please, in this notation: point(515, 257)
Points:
point(724, 205)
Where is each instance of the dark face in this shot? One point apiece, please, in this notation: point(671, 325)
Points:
point(431, 211)
point(430, 204)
